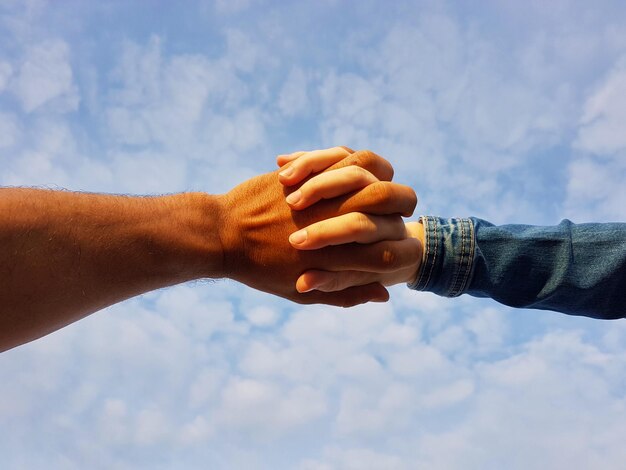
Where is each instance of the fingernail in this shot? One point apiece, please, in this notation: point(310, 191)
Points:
point(298, 237)
point(294, 197)
point(286, 173)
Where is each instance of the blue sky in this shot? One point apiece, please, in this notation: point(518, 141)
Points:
point(510, 111)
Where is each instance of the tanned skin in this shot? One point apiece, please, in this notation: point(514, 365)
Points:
point(65, 255)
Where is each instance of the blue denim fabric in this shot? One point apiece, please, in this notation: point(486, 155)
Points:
point(578, 269)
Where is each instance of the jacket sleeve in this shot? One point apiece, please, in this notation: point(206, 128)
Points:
point(578, 269)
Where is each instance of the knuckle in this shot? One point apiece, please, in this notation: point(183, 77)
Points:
point(357, 173)
point(376, 164)
point(307, 161)
point(361, 158)
point(382, 192)
point(303, 164)
point(297, 164)
point(411, 201)
point(309, 189)
point(359, 223)
point(397, 224)
point(367, 158)
point(397, 220)
point(389, 260)
point(332, 284)
point(341, 150)
point(315, 232)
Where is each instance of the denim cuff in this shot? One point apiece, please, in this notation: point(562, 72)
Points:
point(448, 260)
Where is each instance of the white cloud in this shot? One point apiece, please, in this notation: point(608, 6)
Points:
point(363, 413)
point(264, 409)
point(204, 387)
point(536, 397)
point(337, 458)
point(151, 427)
point(244, 52)
point(197, 432)
point(46, 158)
point(595, 190)
point(5, 74)
point(9, 130)
point(441, 73)
point(231, 6)
point(602, 123)
point(489, 329)
point(262, 316)
point(34, 168)
point(293, 98)
point(113, 421)
point(45, 76)
point(417, 361)
point(447, 395)
point(167, 113)
point(195, 315)
point(147, 173)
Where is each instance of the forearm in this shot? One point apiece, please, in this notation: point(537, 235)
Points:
point(579, 269)
point(64, 255)
point(574, 269)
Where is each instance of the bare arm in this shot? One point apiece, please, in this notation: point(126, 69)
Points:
point(64, 255)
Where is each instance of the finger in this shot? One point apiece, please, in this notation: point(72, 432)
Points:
point(367, 159)
point(348, 228)
point(282, 160)
point(379, 198)
point(311, 162)
point(379, 257)
point(349, 297)
point(328, 281)
point(330, 184)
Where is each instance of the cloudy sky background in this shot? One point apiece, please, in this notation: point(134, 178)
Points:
point(510, 111)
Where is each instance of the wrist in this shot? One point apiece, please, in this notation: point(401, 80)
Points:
point(195, 226)
point(416, 230)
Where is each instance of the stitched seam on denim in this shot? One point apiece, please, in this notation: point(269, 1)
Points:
point(470, 257)
point(432, 266)
point(455, 284)
point(417, 285)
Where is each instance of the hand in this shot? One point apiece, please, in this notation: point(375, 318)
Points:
point(256, 223)
point(354, 227)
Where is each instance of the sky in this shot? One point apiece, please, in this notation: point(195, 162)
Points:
point(509, 111)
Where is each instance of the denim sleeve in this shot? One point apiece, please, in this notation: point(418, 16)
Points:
point(578, 269)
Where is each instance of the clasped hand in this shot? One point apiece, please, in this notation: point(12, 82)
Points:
point(342, 214)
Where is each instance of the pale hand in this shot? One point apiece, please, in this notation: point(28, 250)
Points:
point(355, 227)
